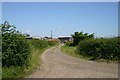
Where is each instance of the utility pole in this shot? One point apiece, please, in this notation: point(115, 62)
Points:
point(51, 34)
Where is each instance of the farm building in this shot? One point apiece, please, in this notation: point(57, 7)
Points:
point(64, 39)
point(54, 40)
point(36, 37)
point(28, 37)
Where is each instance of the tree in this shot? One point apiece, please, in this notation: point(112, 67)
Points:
point(6, 28)
point(78, 36)
point(91, 35)
point(26, 35)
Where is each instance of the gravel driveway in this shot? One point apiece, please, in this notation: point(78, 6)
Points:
point(56, 64)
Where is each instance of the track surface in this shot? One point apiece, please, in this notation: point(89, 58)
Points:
point(56, 64)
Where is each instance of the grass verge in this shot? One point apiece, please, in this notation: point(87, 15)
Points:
point(34, 61)
point(20, 72)
point(71, 50)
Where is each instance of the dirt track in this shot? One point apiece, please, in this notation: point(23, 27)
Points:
point(55, 64)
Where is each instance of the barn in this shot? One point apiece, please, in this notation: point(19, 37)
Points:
point(64, 39)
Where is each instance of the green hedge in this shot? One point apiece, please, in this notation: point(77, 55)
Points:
point(107, 48)
point(15, 50)
point(19, 54)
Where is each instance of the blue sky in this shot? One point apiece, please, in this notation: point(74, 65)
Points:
point(63, 18)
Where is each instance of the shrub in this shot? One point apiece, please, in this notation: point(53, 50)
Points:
point(15, 49)
point(69, 43)
point(108, 48)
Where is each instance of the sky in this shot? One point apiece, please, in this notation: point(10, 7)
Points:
point(63, 18)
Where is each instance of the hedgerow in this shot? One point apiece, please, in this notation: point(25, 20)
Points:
point(20, 56)
point(15, 48)
point(106, 48)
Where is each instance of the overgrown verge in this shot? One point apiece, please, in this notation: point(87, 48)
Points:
point(71, 50)
point(15, 51)
point(37, 48)
point(33, 61)
point(20, 56)
point(100, 49)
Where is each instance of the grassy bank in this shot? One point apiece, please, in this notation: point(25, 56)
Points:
point(19, 72)
point(71, 50)
point(101, 50)
point(33, 62)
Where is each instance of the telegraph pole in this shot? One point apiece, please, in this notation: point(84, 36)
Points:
point(51, 34)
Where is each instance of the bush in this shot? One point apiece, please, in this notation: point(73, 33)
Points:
point(15, 49)
point(108, 48)
point(19, 55)
point(69, 43)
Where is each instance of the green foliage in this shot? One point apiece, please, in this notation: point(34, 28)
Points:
point(71, 50)
point(106, 48)
point(79, 36)
point(68, 50)
point(20, 56)
point(32, 63)
point(52, 43)
point(15, 49)
point(39, 43)
point(69, 43)
point(12, 72)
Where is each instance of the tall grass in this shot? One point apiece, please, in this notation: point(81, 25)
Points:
point(37, 47)
point(71, 50)
point(12, 72)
